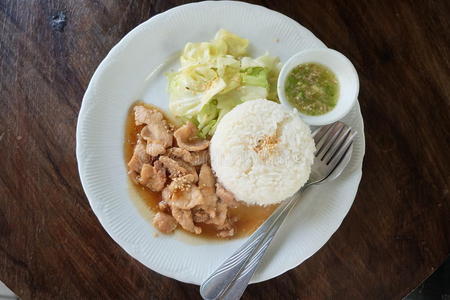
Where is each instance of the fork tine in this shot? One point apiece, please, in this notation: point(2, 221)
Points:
point(321, 139)
point(335, 159)
point(337, 143)
point(330, 139)
point(319, 132)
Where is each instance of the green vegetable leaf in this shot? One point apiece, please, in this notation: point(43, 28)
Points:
point(192, 88)
point(208, 113)
point(208, 130)
point(256, 76)
point(236, 46)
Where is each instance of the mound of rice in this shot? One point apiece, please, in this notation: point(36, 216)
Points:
point(262, 152)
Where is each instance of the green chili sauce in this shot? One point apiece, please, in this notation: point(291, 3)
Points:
point(312, 88)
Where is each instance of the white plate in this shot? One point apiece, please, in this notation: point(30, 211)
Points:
point(134, 69)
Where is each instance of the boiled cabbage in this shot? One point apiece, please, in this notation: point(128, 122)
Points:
point(216, 76)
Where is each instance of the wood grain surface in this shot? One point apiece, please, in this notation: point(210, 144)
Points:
point(395, 235)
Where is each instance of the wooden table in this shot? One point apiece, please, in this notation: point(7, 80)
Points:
point(395, 235)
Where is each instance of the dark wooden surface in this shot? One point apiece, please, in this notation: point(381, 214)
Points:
point(395, 235)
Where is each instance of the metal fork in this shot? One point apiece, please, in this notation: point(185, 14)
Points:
point(229, 280)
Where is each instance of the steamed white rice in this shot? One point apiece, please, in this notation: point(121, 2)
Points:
point(262, 152)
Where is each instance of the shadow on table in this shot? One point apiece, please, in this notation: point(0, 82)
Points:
point(437, 286)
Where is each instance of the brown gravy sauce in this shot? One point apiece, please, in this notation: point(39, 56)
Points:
point(250, 217)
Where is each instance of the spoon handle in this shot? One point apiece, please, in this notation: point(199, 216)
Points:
point(231, 278)
point(238, 286)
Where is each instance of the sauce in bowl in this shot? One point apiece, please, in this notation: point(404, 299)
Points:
point(312, 88)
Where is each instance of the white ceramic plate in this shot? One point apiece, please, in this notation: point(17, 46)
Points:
point(134, 69)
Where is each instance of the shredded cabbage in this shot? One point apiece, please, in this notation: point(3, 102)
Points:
point(216, 76)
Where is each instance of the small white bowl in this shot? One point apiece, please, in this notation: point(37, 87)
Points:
point(340, 66)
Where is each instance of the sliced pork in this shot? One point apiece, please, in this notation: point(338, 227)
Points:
point(153, 177)
point(181, 183)
point(220, 216)
point(196, 158)
point(156, 132)
point(186, 199)
point(164, 222)
point(206, 183)
point(184, 218)
point(155, 149)
point(226, 196)
point(144, 115)
point(187, 139)
point(178, 168)
point(225, 230)
point(139, 158)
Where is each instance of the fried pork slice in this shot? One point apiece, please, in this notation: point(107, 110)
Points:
point(153, 177)
point(164, 222)
point(225, 230)
point(181, 183)
point(187, 139)
point(226, 196)
point(196, 158)
point(220, 216)
point(184, 218)
point(163, 205)
point(143, 115)
point(139, 158)
point(206, 177)
point(178, 168)
point(156, 132)
point(186, 199)
point(159, 136)
point(155, 149)
point(206, 183)
point(200, 215)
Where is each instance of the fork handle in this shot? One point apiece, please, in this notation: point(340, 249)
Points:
point(231, 278)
